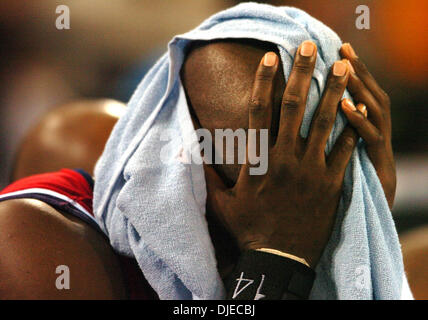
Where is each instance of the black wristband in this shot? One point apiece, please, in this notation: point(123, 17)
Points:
point(262, 275)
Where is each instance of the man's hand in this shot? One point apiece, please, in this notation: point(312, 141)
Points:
point(292, 207)
point(373, 126)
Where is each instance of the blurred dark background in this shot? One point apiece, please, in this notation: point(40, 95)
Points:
point(111, 44)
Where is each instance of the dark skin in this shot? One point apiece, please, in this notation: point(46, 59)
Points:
point(35, 238)
point(39, 238)
point(300, 192)
point(375, 127)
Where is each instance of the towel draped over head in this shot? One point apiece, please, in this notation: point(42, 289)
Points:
point(152, 205)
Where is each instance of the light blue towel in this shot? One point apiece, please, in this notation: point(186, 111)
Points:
point(152, 205)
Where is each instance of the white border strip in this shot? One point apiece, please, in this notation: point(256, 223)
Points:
point(52, 194)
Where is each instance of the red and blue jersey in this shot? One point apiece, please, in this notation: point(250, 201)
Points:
point(71, 191)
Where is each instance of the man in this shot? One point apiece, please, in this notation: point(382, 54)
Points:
point(237, 202)
point(151, 201)
point(23, 218)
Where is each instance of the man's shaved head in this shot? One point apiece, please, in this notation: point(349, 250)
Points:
point(218, 78)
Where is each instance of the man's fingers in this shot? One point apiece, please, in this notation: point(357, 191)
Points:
point(365, 129)
point(260, 108)
point(296, 93)
point(341, 154)
point(325, 116)
point(361, 94)
point(363, 73)
point(362, 109)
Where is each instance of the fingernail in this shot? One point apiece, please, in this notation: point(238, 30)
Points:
point(350, 66)
point(307, 49)
point(269, 59)
point(339, 68)
point(348, 104)
point(362, 108)
point(349, 50)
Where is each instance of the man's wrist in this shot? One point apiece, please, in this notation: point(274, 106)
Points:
point(263, 275)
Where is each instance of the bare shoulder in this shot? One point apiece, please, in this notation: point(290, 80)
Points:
point(39, 244)
point(21, 211)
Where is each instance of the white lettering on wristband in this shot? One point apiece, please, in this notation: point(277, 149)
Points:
point(238, 291)
point(258, 294)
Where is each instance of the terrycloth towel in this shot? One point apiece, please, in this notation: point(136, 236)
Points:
point(152, 205)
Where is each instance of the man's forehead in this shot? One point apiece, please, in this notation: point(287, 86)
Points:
point(218, 78)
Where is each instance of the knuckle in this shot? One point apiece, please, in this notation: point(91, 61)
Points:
point(348, 144)
point(323, 121)
point(379, 140)
point(257, 104)
point(291, 101)
point(361, 67)
point(283, 168)
point(264, 75)
point(335, 86)
point(303, 67)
